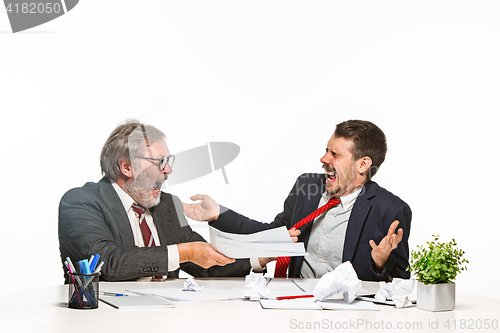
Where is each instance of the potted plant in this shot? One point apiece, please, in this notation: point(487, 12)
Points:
point(436, 266)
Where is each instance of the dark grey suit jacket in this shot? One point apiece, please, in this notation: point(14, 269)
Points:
point(92, 220)
point(372, 214)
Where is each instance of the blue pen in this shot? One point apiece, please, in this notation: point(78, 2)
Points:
point(93, 262)
point(86, 268)
point(105, 293)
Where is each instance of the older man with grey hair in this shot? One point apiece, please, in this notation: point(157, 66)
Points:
point(138, 230)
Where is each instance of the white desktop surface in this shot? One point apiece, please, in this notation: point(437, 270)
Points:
point(45, 310)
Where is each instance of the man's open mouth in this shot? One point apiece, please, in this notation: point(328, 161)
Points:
point(331, 175)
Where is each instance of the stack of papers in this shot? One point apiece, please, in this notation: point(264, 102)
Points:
point(269, 243)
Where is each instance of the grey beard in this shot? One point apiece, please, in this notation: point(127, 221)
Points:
point(141, 196)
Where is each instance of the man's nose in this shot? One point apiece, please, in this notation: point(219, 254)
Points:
point(325, 159)
point(167, 169)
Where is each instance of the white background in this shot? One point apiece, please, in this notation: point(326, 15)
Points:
point(274, 77)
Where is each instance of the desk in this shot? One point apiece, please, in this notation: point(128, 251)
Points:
point(45, 310)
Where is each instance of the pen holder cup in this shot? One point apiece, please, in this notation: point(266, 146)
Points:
point(83, 291)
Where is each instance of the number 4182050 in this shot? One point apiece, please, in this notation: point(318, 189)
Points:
point(472, 324)
point(34, 8)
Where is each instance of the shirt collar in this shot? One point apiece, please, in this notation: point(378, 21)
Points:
point(346, 201)
point(126, 199)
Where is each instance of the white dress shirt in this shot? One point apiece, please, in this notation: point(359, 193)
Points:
point(326, 243)
point(127, 201)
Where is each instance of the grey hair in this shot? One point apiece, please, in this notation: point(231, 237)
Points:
point(127, 140)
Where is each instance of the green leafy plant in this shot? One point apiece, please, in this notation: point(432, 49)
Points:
point(438, 262)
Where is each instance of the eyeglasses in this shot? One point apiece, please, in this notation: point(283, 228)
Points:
point(162, 162)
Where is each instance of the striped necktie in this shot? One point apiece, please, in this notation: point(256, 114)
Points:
point(147, 236)
point(282, 262)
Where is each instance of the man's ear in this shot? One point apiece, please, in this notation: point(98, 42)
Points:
point(126, 168)
point(364, 165)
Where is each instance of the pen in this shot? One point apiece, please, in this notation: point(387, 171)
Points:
point(93, 262)
point(105, 293)
point(76, 287)
point(293, 297)
point(98, 268)
point(86, 267)
point(72, 269)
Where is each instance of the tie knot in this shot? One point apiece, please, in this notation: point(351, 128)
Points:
point(333, 202)
point(138, 209)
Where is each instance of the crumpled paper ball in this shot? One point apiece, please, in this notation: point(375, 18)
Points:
point(398, 291)
point(255, 286)
point(191, 285)
point(342, 280)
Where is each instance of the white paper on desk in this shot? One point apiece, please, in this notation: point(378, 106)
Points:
point(308, 286)
point(335, 304)
point(268, 243)
point(206, 295)
point(291, 304)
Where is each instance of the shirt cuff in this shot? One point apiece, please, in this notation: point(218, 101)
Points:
point(256, 267)
point(173, 257)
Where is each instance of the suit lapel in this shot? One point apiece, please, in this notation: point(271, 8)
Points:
point(309, 205)
point(360, 211)
point(119, 215)
point(166, 220)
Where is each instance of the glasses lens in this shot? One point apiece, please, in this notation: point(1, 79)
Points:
point(166, 160)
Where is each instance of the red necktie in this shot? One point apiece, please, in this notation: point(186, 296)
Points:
point(282, 262)
point(147, 236)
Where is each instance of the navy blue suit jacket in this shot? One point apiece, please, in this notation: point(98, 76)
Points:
point(372, 214)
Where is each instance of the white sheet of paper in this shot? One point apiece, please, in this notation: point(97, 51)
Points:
point(268, 243)
point(290, 304)
point(283, 284)
point(333, 304)
point(306, 284)
point(135, 302)
point(266, 236)
point(206, 295)
point(309, 284)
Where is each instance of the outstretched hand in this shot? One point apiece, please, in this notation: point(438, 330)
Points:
point(382, 251)
point(202, 254)
point(206, 210)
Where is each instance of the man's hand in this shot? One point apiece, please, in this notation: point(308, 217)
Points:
point(202, 254)
point(381, 252)
point(206, 210)
point(294, 234)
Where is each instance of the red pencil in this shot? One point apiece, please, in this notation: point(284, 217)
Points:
point(293, 297)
